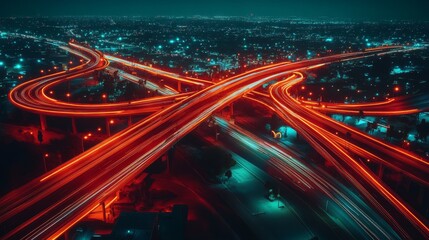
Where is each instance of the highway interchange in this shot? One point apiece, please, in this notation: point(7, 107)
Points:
point(48, 206)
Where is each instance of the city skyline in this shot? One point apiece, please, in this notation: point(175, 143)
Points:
point(355, 10)
point(213, 127)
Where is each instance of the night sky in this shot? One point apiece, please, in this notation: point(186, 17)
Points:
point(355, 9)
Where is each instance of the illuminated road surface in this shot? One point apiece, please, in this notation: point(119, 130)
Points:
point(35, 96)
point(49, 205)
point(312, 126)
point(351, 210)
point(390, 107)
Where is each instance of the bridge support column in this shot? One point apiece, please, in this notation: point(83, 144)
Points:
point(74, 129)
point(43, 124)
point(107, 127)
point(231, 113)
point(179, 86)
point(103, 207)
point(380, 171)
point(130, 121)
point(166, 158)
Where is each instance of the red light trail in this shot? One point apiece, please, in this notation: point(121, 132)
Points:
point(49, 205)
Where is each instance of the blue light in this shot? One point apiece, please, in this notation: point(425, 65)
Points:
point(329, 39)
point(171, 41)
point(38, 60)
point(1, 63)
point(159, 46)
point(18, 66)
point(21, 60)
point(119, 38)
point(177, 39)
point(368, 44)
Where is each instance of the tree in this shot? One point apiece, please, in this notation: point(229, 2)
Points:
point(129, 91)
point(108, 84)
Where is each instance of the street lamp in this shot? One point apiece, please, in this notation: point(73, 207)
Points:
point(86, 137)
point(44, 161)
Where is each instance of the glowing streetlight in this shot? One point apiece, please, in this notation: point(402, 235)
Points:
point(44, 161)
point(86, 137)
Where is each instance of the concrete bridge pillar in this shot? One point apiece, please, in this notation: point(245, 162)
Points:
point(108, 127)
point(74, 128)
point(43, 124)
point(380, 171)
point(103, 207)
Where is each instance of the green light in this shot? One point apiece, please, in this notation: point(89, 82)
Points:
point(21, 60)
point(38, 60)
point(171, 41)
point(18, 66)
point(329, 39)
point(159, 46)
point(119, 38)
point(1, 63)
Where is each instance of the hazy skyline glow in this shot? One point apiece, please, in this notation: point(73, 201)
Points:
point(352, 9)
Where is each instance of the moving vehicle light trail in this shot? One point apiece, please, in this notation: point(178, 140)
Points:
point(314, 182)
point(47, 206)
point(390, 107)
point(34, 95)
point(308, 122)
